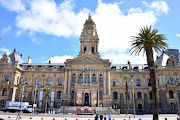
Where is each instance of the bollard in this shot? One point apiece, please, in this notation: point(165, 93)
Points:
point(177, 118)
point(165, 118)
point(41, 118)
point(9, 117)
point(65, 119)
point(30, 117)
point(53, 118)
point(76, 119)
point(139, 119)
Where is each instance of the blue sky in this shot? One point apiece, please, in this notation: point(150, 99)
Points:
point(50, 29)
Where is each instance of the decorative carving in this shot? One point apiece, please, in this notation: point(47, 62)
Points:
point(88, 60)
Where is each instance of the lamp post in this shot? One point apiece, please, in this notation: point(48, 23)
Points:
point(34, 96)
point(24, 81)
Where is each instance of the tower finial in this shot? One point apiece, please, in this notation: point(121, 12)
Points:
point(89, 14)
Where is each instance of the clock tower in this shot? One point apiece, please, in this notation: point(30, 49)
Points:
point(89, 38)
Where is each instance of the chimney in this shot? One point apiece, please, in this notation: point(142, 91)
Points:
point(29, 59)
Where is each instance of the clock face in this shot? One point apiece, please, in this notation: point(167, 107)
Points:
point(89, 31)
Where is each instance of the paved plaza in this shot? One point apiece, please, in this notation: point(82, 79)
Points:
point(28, 116)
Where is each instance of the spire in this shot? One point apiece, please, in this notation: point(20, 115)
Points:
point(89, 20)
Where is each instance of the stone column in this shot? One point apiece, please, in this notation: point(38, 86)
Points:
point(82, 98)
point(97, 77)
point(69, 82)
point(108, 83)
point(76, 77)
point(90, 76)
point(83, 75)
point(65, 83)
point(104, 82)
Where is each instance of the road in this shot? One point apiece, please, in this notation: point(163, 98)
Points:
point(26, 116)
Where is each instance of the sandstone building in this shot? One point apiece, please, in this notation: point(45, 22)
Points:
point(90, 83)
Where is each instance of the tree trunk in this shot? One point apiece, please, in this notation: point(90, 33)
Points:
point(126, 97)
point(150, 61)
point(46, 104)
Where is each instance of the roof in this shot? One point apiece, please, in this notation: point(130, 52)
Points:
point(16, 57)
point(175, 52)
point(89, 20)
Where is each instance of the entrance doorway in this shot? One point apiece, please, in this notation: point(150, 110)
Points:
point(86, 100)
point(139, 107)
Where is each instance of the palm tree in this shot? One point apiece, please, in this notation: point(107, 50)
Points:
point(148, 40)
point(46, 90)
point(127, 79)
point(19, 85)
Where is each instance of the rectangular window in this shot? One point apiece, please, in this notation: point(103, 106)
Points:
point(168, 80)
point(48, 95)
point(100, 81)
point(7, 78)
point(150, 95)
point(94, 79)
point(59, 95)
point(73, 81)
point(72, 94)
point(149, 83)
point(36, 93)
point(60, 81)
point(100, 95)
point(87, 79)
point(139, 95)
point(80, 80)
point(37, 81)
point(115, 95)
point(48, 81)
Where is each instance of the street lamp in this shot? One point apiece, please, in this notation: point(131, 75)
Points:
point(34, 96)
point(23, 81)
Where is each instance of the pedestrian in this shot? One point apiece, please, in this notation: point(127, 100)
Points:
point(109, 117)
point(101, 117)
point(105, 116)
point(96, 117)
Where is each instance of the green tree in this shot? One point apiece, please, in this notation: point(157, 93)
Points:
point(19, 85)
point(127, 79)
point(148, 40)
point(46, 91)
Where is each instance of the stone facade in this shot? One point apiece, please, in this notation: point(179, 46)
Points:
point(89, 82)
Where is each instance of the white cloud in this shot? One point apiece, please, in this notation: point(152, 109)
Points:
point(13, 5)
point(60, 59)
point(5, 50)
point(18, 33)
point(6, 30)
point(35, 40)
point(160, 7)
point(113, 26)
point(48, 17)
point(178, 35)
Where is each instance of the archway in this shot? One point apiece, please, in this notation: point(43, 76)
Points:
point(139, 107)
point(86, 99)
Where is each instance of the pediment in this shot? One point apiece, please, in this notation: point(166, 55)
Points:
point(88, 58)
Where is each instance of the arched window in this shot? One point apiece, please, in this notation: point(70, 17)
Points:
point(114, 82)
point(138, 83)
point(171, 94)
point(58, 94)
point(4, 92)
